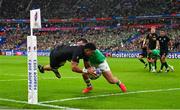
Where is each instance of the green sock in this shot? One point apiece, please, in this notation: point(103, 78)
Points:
point(88, 83)
point(119, 82)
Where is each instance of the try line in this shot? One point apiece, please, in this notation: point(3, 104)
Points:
point(25, 79)
point(39, 104)
point(116, 94)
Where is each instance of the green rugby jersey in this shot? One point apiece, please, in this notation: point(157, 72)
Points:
point(97, 57)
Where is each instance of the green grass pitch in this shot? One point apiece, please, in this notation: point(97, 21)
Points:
point(145, 89)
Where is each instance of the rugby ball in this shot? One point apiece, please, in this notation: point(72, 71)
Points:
point(97, 71)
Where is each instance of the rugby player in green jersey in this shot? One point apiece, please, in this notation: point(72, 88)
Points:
point(152, 57)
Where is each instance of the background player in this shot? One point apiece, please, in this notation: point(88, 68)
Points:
point(153, 56)
point(152, 43)
point(143, 54)
point(164, 42)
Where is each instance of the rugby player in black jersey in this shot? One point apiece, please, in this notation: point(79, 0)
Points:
point(143, 54)
point(62, 53)
point(152, 43)
point(164, 42)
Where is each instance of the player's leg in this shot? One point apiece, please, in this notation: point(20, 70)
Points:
point(142, 60)
point(149, 63)
point(44, 68)
point(155, 63)
point(47, 67)
point(88, 83)
point(149, 59)
point(167, 64)
point(150, 66)
point(164, 63)
point(55, 63)
point(109, 76)
point(114, 80)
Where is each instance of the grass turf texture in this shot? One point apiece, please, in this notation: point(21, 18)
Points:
point(13, 85)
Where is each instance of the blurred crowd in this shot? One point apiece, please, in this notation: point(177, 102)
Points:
point(112, 38)
point(87, 8)
point(106, 40)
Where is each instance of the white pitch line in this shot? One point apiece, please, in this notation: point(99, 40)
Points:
point(116, 94)
point(12, 80)
point(39, 104)
point(27, 75)
point(24, 79)
point(12, 75)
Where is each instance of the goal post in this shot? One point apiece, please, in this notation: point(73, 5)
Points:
point(32, 70)
point(35, 22)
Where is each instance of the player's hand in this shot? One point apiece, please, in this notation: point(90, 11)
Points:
point(149, 60)
point(91, 71)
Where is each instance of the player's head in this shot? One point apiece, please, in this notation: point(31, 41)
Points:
point(81, 41)
point(153, 29)
point(162, 33)
point(89, 48)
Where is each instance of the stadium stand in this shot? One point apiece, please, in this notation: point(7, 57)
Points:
point(115, 37)
point(87, 8)
point(115, 40)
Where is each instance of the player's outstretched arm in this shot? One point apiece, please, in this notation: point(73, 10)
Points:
point(75, 68)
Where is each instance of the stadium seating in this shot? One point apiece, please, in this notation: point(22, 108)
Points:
point(86, 8)
point(108, 39)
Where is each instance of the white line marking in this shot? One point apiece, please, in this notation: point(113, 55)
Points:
point(12, 75)
point(24, 79)
point(12, 80)
point(39, 104)
point(27, 75)
point(116, 94)
point(12, 100)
